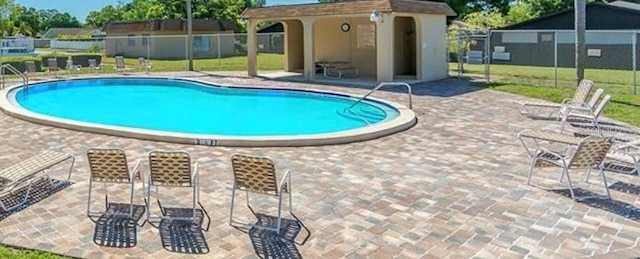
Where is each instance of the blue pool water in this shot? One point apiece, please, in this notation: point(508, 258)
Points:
point(191, 107)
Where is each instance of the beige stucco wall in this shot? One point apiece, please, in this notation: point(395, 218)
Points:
point(329, 43)
point(432, 51)
point(332, 44)
point(167, 45)
point(293, 46)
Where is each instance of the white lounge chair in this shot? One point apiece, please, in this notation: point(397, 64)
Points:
point(93, 66)
point(534, 109)
point(258, 175)
point(144, 64)
point(173, 169)
point(625, 156)
point(71, 68)
point(30, 68)
point(120, 65)
point(585, 113)
point(110, 166)
point(589, 154)
point(52, 66)
point(25, 173)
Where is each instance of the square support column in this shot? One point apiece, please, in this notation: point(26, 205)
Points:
point(309, 64)
point(252, 48)
point(384, 48)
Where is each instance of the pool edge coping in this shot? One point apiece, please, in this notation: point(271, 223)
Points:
point(405, 120)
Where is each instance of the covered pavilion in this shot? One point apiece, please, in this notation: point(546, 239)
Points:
point(383, 39)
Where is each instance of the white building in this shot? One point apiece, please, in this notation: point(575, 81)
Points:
point(17, 45)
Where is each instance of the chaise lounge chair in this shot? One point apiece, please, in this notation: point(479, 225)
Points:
point(144, 64)
point(258, 175)
point(586, 114)
point(30, 68)
point(71, 68)
point(25, 173)
point(93, 66)
point(534, 109)
point(625, 157)
point(120, 65)
point(52, 66)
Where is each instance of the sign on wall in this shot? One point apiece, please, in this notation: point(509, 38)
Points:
point(366, 36)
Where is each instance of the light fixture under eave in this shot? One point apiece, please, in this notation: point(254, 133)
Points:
point(375, 16)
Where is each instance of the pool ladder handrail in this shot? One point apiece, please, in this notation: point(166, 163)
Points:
point(386, 84)
point(25, 79)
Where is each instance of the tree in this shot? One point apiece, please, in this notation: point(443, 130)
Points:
point(106, 14)
point(580, 27)
point(26, 20)
point(172, 9)
point(484, 20)
point(63, 20)
point(519, 12)
point(6, 10)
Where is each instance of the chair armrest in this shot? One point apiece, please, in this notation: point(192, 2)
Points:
point(285, 182)
point(566, 99)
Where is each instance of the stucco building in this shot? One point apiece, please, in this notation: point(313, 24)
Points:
point(383, 39)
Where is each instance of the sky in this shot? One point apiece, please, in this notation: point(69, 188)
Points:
point(81, 8)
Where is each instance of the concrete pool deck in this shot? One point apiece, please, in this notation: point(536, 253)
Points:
point(454, 186)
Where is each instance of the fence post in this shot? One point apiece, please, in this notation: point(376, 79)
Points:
point(487, 70)
point(555, 58)
point(634, 58)
point(219, 56)
point(460, 54)
point(186, 50)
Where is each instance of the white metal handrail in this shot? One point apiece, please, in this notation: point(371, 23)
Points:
point(25, 79)
point(386, 84)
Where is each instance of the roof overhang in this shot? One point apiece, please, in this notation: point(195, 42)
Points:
point(348, 8)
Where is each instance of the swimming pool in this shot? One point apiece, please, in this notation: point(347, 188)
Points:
point(198, 112)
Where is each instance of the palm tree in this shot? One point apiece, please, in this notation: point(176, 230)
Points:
point(580, 26)
point(23, 28)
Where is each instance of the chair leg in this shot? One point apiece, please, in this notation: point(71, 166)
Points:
point(131, 201)
point(194, 202)
point(147, 199)
point(533, 161)
point(586, 180)
point(89, 198)
point(566, 171)
point(233, 198)
point(279, 213)
point(563, 123)
point(290, 200)
point(604, 181)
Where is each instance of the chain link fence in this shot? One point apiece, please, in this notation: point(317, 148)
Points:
point(547, 57)
point(164, 53)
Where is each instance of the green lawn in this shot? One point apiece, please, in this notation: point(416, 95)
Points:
point(538, 82)
point(14, 253)
point(266, 61)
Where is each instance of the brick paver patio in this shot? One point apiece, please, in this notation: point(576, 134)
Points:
point(452, 186)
